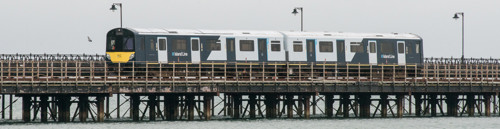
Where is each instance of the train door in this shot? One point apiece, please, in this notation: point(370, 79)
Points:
point(340, 51)
point(231, 54)
point(262, 50)
point(372, 51)
point(401, 53)
point(195, 50)
point(311, 50)
point(161, 43)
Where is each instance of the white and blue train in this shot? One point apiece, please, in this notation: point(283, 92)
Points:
point(176, 45)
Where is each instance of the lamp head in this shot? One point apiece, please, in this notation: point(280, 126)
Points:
point(456, 16)
point(295, 11)
point(113, 8)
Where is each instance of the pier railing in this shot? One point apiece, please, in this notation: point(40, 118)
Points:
point(42, 71)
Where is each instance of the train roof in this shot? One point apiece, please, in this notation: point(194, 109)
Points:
point(160, 31)
point(350, 35)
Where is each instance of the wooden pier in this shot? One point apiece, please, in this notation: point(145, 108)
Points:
point(80, 90)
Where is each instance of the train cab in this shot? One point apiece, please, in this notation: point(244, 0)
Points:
point(120, 46)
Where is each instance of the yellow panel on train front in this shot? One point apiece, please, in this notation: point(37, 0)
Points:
point(122, 57)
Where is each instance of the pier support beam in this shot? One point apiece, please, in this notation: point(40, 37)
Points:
point(64, 103)
point(364, 104)
point(471, 101)
point(383, 102)
point(400, 105)
point(433, 103)
point(418, 104)
point(306, 100)
point(134, 108)
point(100, 108)
point(329, 105)
point(26, 108)
point(252, 103)
point(345, 105)
point(83, 103)
point(300, 105)
point(44, 104)
point(487, 105)
point(289, 105)
point(271, 102)
point(152, 107)
point(171, 103)
point(190, 103)
point(236, 106)
point(452, 104)
point(207, 103)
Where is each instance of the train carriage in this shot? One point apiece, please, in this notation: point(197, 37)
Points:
point(194, 46)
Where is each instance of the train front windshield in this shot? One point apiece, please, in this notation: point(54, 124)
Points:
point(120, 44)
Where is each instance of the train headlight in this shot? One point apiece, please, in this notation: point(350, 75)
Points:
point(108, 56)
point(131, 56)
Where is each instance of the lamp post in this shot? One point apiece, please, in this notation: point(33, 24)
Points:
point(456, 17)
point(113, 8)
point(301, 16)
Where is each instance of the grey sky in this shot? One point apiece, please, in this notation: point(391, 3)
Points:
point(61, 26)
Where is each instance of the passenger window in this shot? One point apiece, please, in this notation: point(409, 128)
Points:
point(275, 46)
point(325, 46)
point(373, 48)
point(357, 47)
point(417, 48)
point(143, 45)
point(194, 44)
point(386, 48)
point(297, 46)
point(163, 44)
point(340, 46)
point(152, 46)
point(401, 48)
point(246, 45)
point(179, 44)
point(214, 44)
point(310, 44)
point(230, 42)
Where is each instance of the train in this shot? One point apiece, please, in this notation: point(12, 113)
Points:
point(157, 45)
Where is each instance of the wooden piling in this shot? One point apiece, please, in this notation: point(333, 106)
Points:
point(100, 108)
point(26, 108)
point(207, 105)
point(418, 104)
point(136, 101)
point(400, 105)
point(345, 105)
point(44, 104)
point(433, 103)
point(152, 107)
point(64, 104)
point(471, 101)
point(383, 102)
point(236, 105)
point(300, 105)
point(306, 100)
point(83, 103)
point(252, 102)
point(452, 104)
point(329, 105)
point(364, 104)
point(487, 104)
point(190, 104)
point(289, 105)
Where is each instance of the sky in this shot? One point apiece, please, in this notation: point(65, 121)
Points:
point(61, 26)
